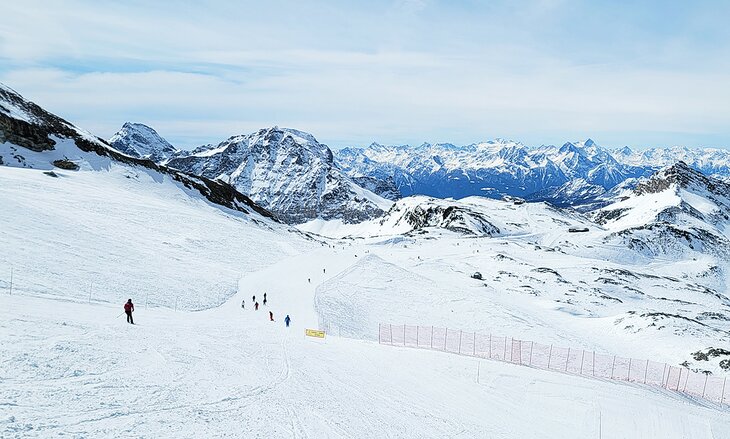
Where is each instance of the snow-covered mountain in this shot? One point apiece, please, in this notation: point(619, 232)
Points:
point(138, 140)
point(709, 161)
point(675, 212)
point(31, 137)
point(575, 171)
point(287, 171)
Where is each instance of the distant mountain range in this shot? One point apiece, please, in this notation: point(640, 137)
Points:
point(290, 173)
point(575, 173)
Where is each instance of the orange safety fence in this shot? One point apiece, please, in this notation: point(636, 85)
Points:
point(550, 357)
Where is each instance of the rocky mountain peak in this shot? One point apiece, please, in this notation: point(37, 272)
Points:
point(141, 141)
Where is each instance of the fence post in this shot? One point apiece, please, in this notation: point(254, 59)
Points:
point(684, 389)
point(613, 366)
point(532, 343)
point(628, 375)
point(391, 333)
point(550, 356)
point(431, 336)
point(519, 343)
point(474, 344)
point(722, 397)
point(446, 336)
point(404, 334)
point(490, 345)
point(567, 358)
point(380, 336)
point(460, 340)
point(511, 349)
point(504, 353)
point(417, 329)
point(680, 379)
point(705, 386)
point(582, 357)
point(594, 363)
point(664, 372)
point(646, 371)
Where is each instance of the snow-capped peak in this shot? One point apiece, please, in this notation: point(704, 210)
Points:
point(141, 141)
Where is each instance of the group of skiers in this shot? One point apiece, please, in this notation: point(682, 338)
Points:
point(287, 319)
point(129, 309)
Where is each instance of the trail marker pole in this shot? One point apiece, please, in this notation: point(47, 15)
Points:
point(404, 334)
point(431, 337)
point(532, 343)
point(582, 357)
point(707, 375)
point(490, 346)
point(380, 333)
point(446, 335)
point(504, 353)
point(417, 329)
point(390, 325)
point(722, 397)
point(664, 372)
point(646, 371)
point(684, 389)
point(474, 344)
point(460, 341)
point(567, 358)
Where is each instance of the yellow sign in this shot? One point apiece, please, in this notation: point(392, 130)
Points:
point(314, 333)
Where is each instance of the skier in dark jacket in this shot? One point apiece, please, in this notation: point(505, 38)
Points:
point(264, 299)
point(287, 319)
point(256, 306)
point(271, 316)
point(243, 304)
point(128, 310)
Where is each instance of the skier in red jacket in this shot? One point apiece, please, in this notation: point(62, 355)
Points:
point(129, 309)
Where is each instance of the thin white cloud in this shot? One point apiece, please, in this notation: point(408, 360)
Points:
point(353, 75)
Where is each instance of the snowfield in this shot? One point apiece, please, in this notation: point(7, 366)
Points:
point(83, 228)
point(76, 370)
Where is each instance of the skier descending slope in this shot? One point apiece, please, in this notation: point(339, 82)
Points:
point(271, 316)
point(256, 306)
point(128, 310)
point(264, 299)
point(287, 319)
point(243, 304)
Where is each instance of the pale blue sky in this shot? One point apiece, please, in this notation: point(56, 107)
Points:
point(546, 71)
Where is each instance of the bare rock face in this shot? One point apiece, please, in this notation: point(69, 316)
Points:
point(287, 171)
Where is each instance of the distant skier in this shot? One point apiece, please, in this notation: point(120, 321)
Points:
point(243, 304)
point(271, 316)
point(287, 320)
point(256, 306)
point(324, 270)
point(253, 299)
point(264, 299)
point(309, 280)
point(128, 310)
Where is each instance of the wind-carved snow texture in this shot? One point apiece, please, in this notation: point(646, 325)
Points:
point(288, 172)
